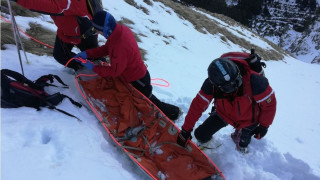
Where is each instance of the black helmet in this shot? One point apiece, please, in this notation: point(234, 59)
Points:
point(225, 75)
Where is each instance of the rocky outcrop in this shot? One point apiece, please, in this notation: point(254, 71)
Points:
point(291, 24)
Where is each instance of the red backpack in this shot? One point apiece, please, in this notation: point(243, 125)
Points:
point(253, 60)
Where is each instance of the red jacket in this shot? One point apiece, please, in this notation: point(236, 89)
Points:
point(254, 102)
point(124, 53)
point(64, 14)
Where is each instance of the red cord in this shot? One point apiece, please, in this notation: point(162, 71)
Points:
point(83, 60)
point(162, 85)
point(27, 34)
point(104, 124)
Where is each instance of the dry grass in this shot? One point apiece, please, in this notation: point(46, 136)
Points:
point(148, 2)
point(134, 4)
point(203, 24)
point(143, 53)
point(128, 22)
point(18, 10)
point(31, 46)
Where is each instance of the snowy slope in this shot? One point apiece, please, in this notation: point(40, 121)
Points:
point(49, 145)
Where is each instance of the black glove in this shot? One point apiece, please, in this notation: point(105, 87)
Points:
point(260, 132)
point(183, 137)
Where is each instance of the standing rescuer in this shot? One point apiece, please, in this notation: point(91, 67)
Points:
point(242, 98)
point(73, 21)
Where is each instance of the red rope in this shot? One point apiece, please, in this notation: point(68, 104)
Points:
point(27, 34)
point(155, 79)
point(162, 85)
point(104, 124)
point(167, 84)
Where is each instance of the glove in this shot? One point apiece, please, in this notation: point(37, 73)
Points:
point(82, 55)
point(183, 137)
point(260, 132)
point(86, 63)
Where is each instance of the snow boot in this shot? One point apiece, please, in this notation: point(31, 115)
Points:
point(236, 139)
point(204, 145)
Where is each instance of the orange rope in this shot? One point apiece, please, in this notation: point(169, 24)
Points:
point(104, 124)
point(167, 84)
point(27, 34)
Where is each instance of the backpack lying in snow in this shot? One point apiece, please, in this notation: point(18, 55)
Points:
point(18, 91)
point(252, 59)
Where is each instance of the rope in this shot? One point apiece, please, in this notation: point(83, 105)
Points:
point(158, 79)
point(6, 20)
point(166, 83)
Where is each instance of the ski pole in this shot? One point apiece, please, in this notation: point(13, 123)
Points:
point(15, 32)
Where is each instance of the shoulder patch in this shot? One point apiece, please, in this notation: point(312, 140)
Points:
point(258, 84)
point(207, 87)
point(269, 100)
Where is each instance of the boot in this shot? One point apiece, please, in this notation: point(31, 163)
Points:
point(171, 111)
point(236, 136)
point(204, 145)
point(236, 139)
point(243, 150)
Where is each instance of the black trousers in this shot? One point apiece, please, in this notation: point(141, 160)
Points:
point(210, 126)
point(144, 86)
point(214, 123)
point(62, 50)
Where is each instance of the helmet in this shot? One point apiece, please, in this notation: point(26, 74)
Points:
point(225, 75)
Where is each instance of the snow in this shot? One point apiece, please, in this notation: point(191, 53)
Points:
point(49, 145)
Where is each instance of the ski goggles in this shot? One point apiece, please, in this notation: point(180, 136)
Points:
point(231, 86)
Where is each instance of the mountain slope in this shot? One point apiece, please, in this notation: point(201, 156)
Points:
point(49, 145)
point(291, 24)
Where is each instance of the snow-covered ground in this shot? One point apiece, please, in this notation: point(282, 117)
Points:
point(48, 145)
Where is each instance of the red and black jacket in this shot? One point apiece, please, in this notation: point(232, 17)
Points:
point(124, 53)
point(65, 15)
point(254, 102)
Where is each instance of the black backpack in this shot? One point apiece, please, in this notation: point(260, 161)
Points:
point(18, 91)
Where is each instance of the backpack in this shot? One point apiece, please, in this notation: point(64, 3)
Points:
point(18, 91)
point(253, 60)
point(94, 6)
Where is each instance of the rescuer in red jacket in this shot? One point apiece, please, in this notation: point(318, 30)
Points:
point(74, 26)
point(242, 98)
point(125, 59)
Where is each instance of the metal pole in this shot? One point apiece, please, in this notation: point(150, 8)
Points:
point(15, 34)
point(20, 40)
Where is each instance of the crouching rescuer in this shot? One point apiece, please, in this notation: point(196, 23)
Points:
point(242, 98)
point(125, 60)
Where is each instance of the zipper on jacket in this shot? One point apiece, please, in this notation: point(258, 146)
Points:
point(223, 104)
point(253, 109)
point(239, 108)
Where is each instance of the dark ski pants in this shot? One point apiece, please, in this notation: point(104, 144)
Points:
point(214, 123)
point(62, 50)
point(144, 86)
point(209, 127)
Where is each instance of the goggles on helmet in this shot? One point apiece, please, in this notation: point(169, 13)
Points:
point(231, 86)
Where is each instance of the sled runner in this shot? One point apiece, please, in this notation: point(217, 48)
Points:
point(142, 131)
